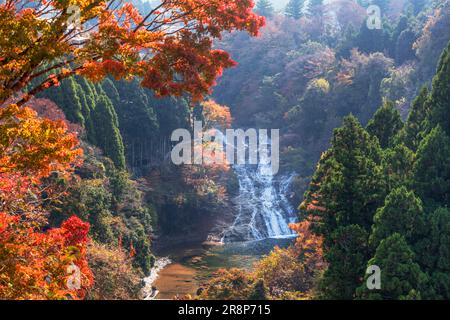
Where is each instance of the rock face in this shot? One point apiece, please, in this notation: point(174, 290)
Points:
point(262, 208)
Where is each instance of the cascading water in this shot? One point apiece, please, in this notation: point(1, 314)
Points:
point(263, 209)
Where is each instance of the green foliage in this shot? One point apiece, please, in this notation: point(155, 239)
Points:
point(352, 188)
point(107, 132)
point(440, 95)
point(347, 260)
point(111, 202)
point(294, 9)
point(432, 169)
point(412, 133)
point(401, 277)
point(385, 124)
point(436, 254)
point(397, 166)
point(402, 213)
point(310, 116)
point(231, 284)
point(68, 98)
point(408, 237)
point(403, 39)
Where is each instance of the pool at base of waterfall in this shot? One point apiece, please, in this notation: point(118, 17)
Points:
point(261, 222)
point(192, 265)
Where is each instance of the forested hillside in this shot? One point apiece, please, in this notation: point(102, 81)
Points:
point(84, 179)
point(89, 194)
point(377, 196)
point(305, 74)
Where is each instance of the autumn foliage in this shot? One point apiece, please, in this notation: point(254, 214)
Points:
point(170, 48)
point(285, 273)
point(37, 264)
point(31, 148)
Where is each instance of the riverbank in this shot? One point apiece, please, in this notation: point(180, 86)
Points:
point(193, 264)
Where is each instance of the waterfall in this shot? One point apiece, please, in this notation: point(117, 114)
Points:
point(263, 209)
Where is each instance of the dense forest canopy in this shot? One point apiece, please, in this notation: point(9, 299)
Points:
point(87, 111)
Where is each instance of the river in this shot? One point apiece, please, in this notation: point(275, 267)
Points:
point(263, 213)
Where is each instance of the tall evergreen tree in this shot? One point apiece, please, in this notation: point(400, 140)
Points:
point(402, 213)
point(107, 131)
point(416, 124)
point(386, 123)
point(344, 195)
point(347, 260)
point(67, 98)
point(398, 163)
point(265, 8)
point(435, 254)
point(353, 187)
point(315, 9)
point(440, 95)
point(372, 40)
point(432, 169)
point(294, 9)
point(111, 91)
point(401, 277)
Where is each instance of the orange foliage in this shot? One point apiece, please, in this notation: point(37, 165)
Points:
point(216, 115)
point(35, 264)
point(32, 146)
point(170, 47)
point(308, 246)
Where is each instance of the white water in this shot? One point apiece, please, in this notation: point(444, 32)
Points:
point(263, 209)
point(149, 292)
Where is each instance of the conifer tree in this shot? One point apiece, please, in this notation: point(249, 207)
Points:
point(432, 169)
point(264, 8)
point(397, 166)
point(111, 91)
point(67, 98)
point(344, 195)
point(347, 260)
point(435, 254)
point(401, 277)
point(402, 213)
point(315, 10)
point(412, 133)
point(294, 9)
point(107, 131)
point(353, 187)
point(440, 95)
point(386, 123)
